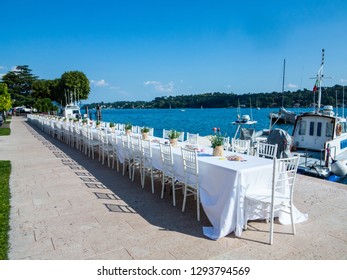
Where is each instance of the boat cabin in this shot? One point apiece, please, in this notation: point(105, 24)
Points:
point(72, 112)
point(314, 131)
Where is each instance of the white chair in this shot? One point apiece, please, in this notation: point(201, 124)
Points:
point(136, 155)
point(191, 178)
point(147, 165)
point(135, 129)
point(240, 146)
point(277, 197)
point(105, 148)
point(93, 144)
point(60, 132)
point(192, 138)
point(226, 143)
point(115, 158)
point(85, 138)
point(126, 149)
point(168, 173)
point(266, 150)
point(78, 137)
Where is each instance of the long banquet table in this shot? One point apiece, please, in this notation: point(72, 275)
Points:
point(222, 185)
point(222, 182)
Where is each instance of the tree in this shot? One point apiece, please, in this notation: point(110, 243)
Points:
point(45, 105)
point(20, 85)
point(75, 85)
point(5, 98)
point(41, 89)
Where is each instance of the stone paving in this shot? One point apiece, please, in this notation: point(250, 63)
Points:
point(65, 205)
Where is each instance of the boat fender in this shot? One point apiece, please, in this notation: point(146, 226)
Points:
point(338, 129)
point(339, 168)
point(327, 156)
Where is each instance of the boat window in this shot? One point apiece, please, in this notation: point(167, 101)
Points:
point(311, 128)
point(329, 130)
point(75, 112)
point(302, 130)
point(319, 129)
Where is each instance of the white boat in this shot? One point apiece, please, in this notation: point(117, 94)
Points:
point(246, 128)
point(72, 111)
point(320, 137)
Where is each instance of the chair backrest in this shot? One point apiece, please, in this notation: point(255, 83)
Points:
point(121, 126)
point(226, 143)
point(136, 146)
point(135, 129)
point(266, 150)
point(240, 146)
point(190, 164)
point(284, 174)
point(192, 138)
point(125, 141)
point(103, 137)
point(146, 149)
point(166, 156)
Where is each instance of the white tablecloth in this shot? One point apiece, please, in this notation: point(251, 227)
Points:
point(223, 185)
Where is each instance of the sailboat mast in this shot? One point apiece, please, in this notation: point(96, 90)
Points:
point(284, 73)
point(319, 78)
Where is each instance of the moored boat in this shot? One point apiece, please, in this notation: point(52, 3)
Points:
point(320, 137)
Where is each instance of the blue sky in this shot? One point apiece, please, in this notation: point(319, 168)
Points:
point(139, 50)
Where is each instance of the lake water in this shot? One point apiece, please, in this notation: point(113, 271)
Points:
point(192, 120)
point(195, 120)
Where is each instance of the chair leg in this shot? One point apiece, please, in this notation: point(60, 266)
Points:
point(184, 197)
point(292, 220)
point(173, 191)
point(152, 181)
point(271, 225)
point(163, 186)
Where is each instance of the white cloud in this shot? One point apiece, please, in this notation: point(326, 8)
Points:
point(343, 80)
point(292, 86)
point(159, 86)
point(100, 83)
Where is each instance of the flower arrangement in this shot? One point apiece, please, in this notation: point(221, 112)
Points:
point(144, 132)
point(112, 124)
point(173, 134)
point(217, 139)
point(128, 126)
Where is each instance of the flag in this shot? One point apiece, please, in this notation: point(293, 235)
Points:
point(319, 76)
point(315, 86)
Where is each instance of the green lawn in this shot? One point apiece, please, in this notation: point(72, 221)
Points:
point(5, 131)
point(5, 170)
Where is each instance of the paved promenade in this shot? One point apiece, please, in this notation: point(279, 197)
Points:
point(68, 206)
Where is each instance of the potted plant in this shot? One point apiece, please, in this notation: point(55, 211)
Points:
point(144, 132)
point(84, 121)
point(128, 128)
point(112, 126)
point(97, 124)
point(173, 135)
point(217, 141)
